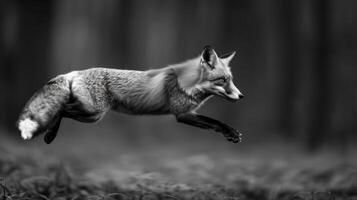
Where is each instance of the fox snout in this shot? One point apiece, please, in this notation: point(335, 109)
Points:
point(232, 93)
point(235, 98)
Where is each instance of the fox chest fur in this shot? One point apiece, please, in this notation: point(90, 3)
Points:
point(98, 90)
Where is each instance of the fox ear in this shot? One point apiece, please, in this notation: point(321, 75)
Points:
point(209, 56)
point(226, 58)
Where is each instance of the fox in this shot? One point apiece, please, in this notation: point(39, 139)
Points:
point(178, 89)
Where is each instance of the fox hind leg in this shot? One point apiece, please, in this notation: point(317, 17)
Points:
point(51, 132)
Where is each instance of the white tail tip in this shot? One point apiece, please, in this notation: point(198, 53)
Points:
point(27, 128)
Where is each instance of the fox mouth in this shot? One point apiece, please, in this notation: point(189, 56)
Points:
point(224, 96)
point(231, 99)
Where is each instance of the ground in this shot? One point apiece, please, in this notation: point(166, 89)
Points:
point(174, 170)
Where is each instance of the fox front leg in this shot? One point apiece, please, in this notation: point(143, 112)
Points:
point(204, 122)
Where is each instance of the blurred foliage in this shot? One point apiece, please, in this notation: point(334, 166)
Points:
point(31, 173)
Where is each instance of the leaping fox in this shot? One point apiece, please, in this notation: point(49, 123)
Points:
point(178, 89)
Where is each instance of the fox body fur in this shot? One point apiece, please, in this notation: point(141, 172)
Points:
point(177, 89)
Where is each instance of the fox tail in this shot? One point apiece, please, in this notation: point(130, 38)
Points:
point(42, 113)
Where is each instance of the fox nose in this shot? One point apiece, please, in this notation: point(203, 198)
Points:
point(241, 96)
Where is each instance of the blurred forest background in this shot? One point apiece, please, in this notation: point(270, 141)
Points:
point(296, 60)
point(295, 63)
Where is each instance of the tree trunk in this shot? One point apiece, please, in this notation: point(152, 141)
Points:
point(318, 127)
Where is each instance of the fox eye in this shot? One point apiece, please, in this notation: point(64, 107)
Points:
point(220, 81)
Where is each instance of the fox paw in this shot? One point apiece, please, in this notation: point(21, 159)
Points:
point(233, 136)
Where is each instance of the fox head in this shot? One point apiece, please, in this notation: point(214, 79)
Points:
point(216, 75)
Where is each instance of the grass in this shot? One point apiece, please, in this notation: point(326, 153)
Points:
point(36, 171)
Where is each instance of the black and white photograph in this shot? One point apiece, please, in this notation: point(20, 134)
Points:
point(178, 100)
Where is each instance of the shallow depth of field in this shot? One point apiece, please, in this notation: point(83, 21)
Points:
point(176, 170)
point(295, 65)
